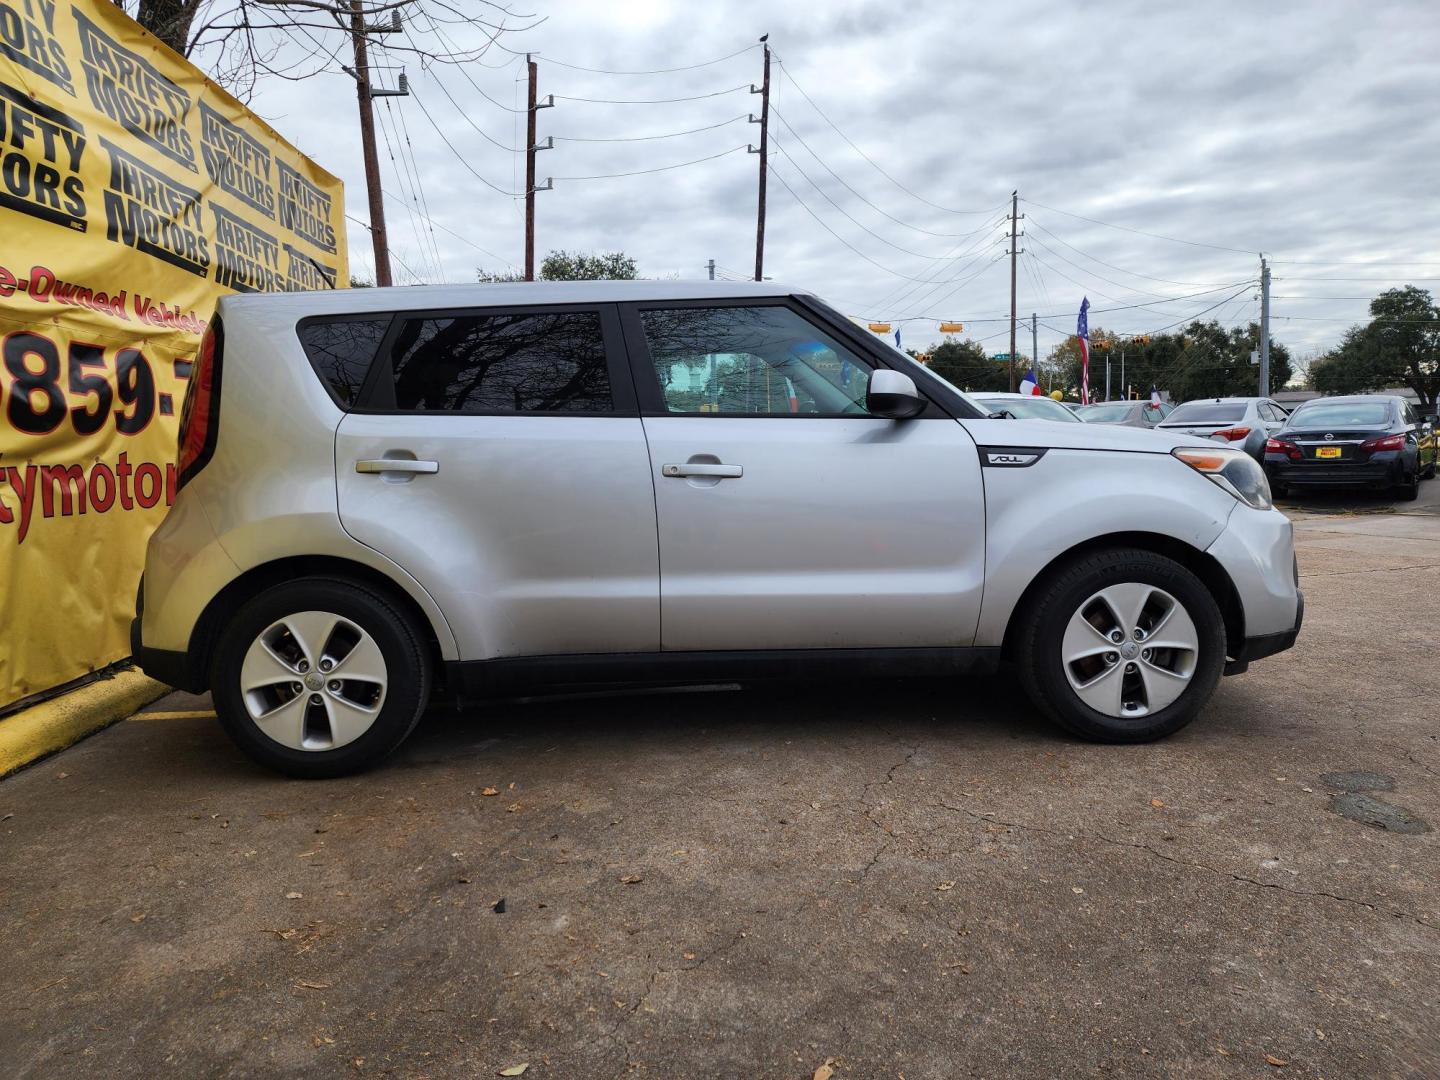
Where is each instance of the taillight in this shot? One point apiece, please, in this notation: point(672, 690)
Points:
point(200, 416)
point(1234, 434)
point(1283, 446)
point(1384, 442)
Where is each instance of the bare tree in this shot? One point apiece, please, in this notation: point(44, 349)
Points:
point(240, 42)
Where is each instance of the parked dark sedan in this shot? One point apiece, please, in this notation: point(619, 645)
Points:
point(1369, 440)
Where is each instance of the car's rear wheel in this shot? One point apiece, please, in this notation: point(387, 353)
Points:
point(1121, 646)
point(318, 677)
point(1408, 492)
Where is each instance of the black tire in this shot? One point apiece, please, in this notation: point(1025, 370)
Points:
point(1408, 492)
point(1044, 617)
point(1429, 473)
point(408, 674)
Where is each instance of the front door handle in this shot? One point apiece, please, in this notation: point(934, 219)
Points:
point(702, 469)
point(396, 465)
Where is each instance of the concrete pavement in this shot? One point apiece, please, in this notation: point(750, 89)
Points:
point(917, 880)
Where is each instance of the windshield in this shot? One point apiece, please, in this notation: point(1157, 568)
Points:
point(1029, 408)
point(1104, 414)
point(1207, 412)
point(1341, 414)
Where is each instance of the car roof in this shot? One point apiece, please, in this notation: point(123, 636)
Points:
point(1008, 394)
point(1342, 399)
point(498, 294)
point(1222, 400)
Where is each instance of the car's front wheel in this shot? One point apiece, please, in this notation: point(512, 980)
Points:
point(319, 677)
point(1123, 645)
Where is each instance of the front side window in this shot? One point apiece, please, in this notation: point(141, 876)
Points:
point(502, 363)
point(752, 361)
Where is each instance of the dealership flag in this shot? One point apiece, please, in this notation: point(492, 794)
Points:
point(1028, 385)
point(1082, 331)
point(1154, 395)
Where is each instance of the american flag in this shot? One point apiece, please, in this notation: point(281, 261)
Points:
point(1082, 331)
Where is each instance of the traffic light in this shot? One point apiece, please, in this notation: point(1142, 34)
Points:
point(880, 327)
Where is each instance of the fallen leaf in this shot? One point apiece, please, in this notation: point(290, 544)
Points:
point(358, 1062)
point(1222, 1051)
point(494, 791)
point(283, 935)
point(139, 917)
point(322, 1040)
point(945, 886)
point(1320, 1034)
point(1278, 1062)
point(514, 1070)
point(631, 879)
point(303, 985)
point(512, 787)
point(513, 808)
point(1076, 889)
point(294, 896)
point(691, 956)
point(1157, 803)
point(824, 1072)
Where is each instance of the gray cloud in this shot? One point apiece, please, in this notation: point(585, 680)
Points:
point(1305, 130)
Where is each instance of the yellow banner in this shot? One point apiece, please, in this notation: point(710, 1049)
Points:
point(133, 193)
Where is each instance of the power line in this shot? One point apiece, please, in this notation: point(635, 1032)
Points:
point(848, 216)
point(1133, 273)
point(466, 116)
point(1138, 232)
point(651, 101)
point(651, 138)
point(662, 168)
point(949, 210)
point(821, 222)
point(654, 71)
point(460, 157)
point(1096, 274)
point(444, 228)
point(395, 255)
point(884, 213)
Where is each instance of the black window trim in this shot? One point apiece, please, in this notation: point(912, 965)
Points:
point(652, 396)
point(622, 389)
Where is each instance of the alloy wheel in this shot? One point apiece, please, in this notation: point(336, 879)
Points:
point(1130, 650)
point(313, 681)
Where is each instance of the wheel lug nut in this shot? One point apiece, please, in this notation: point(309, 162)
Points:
point(1144, 654)
point(315, 699)
point(335, 685)
point(297, 687)
point(1112, 658)
point(1116, 635)
point(326, 665)
point(1139, 634)
point(1130, 669)
point(303, 665)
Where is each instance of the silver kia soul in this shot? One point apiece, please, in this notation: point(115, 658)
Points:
point(487, 489)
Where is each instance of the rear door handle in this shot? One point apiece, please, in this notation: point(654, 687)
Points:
point(700, 469)
point(396, 465)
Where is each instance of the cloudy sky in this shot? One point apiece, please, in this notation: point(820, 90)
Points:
point(1306, 130)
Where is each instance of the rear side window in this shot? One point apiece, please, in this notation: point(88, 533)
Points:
point(501, 363)
point(342, 351)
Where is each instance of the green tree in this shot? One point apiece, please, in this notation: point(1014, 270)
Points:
point(1400, 346)
point(574, 266)
point(1203, 360)
point(965, 364)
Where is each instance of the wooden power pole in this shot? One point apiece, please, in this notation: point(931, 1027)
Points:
point(764, 152)
point(1014, 253)
point(531, 149)
point(367, 144)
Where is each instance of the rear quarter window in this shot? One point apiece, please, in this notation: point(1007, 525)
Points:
point(342, 350)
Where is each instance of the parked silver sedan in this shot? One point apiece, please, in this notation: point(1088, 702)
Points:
point(1242, 422)
point(1027, 407)
point(1140, 414)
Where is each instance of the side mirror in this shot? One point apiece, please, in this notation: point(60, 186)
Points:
point(892, 394)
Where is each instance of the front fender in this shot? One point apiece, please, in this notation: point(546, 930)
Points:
point(1071, 497)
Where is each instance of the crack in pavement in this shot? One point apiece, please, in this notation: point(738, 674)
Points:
point(990, 817)
point(869, 811)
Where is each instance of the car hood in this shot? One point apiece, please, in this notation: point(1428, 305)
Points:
point(1058, 434)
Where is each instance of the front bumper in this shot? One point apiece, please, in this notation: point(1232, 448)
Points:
point(1263, 645)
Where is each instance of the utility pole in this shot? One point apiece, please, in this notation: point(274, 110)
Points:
point(1014, 253)
point(531, 149)
point(1264, 327)
point(1035, 348)
point(764, 91)
point(711, 267)
point(1124, 387)
point(363, 94)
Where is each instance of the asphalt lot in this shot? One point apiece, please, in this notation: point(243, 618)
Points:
point(899, 880)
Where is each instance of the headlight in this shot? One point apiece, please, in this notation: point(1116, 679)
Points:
point(1234, 470)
